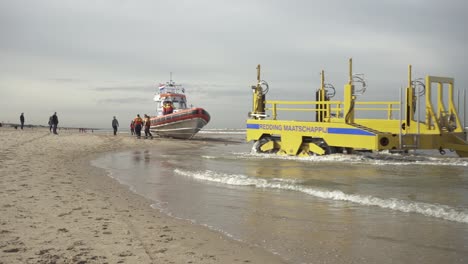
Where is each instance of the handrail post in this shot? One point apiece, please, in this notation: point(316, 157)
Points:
point(349, 96)
point(409, 106)
point(259, 97)
point(389, 114)
point(274, 111)
point(401, 120)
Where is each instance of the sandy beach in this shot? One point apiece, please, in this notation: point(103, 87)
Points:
point(57, 208)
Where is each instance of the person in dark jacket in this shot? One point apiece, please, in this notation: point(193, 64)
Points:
point(22, 120)
point(55, 122)
point(115, 125)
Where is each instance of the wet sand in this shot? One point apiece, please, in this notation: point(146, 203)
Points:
point(57, 208)
point(372, 208)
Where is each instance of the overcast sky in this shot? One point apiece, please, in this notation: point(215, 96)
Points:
point(91, 60)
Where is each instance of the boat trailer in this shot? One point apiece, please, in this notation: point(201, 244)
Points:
point(337, 128)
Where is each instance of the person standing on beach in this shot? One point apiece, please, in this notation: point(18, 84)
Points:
point(138, 123)
point(50, 123)
point(115, 125)
point(147, 127)
point(22, 120)
point(132, 127)
point(55, 123)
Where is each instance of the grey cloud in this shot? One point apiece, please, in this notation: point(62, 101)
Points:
point(126, 100)
point(132, 89)
point(68, 80)
point(213, 47)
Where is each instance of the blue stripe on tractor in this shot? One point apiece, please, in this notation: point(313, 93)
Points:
point(349, 131)
point(253, 126)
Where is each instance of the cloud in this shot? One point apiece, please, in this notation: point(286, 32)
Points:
point(97, 53)
point(131, 89)
point(68, 80)
point(127, 100)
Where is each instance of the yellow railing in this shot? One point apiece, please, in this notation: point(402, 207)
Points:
point(334, 107)
point(389, 107)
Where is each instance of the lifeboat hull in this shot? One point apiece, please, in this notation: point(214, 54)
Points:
point(183, 124)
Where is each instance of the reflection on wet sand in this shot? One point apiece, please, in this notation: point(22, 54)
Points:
point(310, 211)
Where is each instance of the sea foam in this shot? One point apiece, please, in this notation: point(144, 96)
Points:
point(427, 209)
point(368, 159)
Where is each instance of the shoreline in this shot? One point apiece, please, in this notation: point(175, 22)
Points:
point(57, 207)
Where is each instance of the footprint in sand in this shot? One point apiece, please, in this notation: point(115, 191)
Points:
point(161, 251)
point(12, 250)
point(62, 230)
point(126, 253)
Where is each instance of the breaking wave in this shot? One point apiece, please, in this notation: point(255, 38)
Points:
point(432, 210)
point(223, 131)
point(366, 158)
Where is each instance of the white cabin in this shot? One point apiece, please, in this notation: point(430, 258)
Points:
point(170, 92)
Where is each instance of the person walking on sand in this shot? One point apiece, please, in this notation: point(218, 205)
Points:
point(55, 122)
point(115, 125)
point(22, 120)
point(147, 127)
point(50, 123)
point(132, 127)
point(138, 123)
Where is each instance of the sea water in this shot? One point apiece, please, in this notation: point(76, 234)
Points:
point(372, 208)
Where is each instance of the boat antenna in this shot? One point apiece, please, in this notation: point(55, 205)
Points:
point(170, 82)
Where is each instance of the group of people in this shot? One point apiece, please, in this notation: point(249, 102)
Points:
point(135, 126)
point(53, 122)
point(138, 123)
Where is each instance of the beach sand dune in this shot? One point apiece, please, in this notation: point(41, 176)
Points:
point(57, 208)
